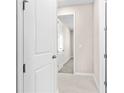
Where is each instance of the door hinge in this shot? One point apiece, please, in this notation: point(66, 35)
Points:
point(105, 83)
point(105, 56)
point(105, 28)
point(24, 2)
point(24, 68)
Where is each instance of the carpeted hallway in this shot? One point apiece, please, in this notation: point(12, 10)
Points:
point(68, 67)
point(69, 83)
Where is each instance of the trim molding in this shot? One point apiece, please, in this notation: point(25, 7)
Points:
point(83, 74)
point(19, 46)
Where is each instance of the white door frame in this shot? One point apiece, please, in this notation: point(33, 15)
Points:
point(74, 22)
point(19, 46)
point(102, 42)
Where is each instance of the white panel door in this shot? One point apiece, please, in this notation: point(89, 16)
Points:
point(40, 46)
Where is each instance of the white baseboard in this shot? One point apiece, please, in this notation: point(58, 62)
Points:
point(83, 74)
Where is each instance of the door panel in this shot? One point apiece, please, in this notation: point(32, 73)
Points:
point(44, 24)
point(44, 80)
point(40, 46)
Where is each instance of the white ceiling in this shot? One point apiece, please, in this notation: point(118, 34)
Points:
point(64, 3)
point(67, 20)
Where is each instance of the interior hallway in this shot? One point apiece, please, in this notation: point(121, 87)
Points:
point(69, 83)
point(68, 67)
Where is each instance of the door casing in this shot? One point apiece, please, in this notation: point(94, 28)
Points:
point(19, 45)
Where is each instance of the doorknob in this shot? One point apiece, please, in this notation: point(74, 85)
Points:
point(54, 57)
point(24, 2)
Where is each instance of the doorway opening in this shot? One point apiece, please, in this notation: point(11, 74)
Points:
point(78, 47)
point(66, 42)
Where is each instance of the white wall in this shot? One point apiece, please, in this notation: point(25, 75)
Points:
point(83, 36)
point(67, 44)
point(65, 3)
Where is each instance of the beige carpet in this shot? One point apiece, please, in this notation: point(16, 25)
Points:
point(69, 83)
point(68, 67)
